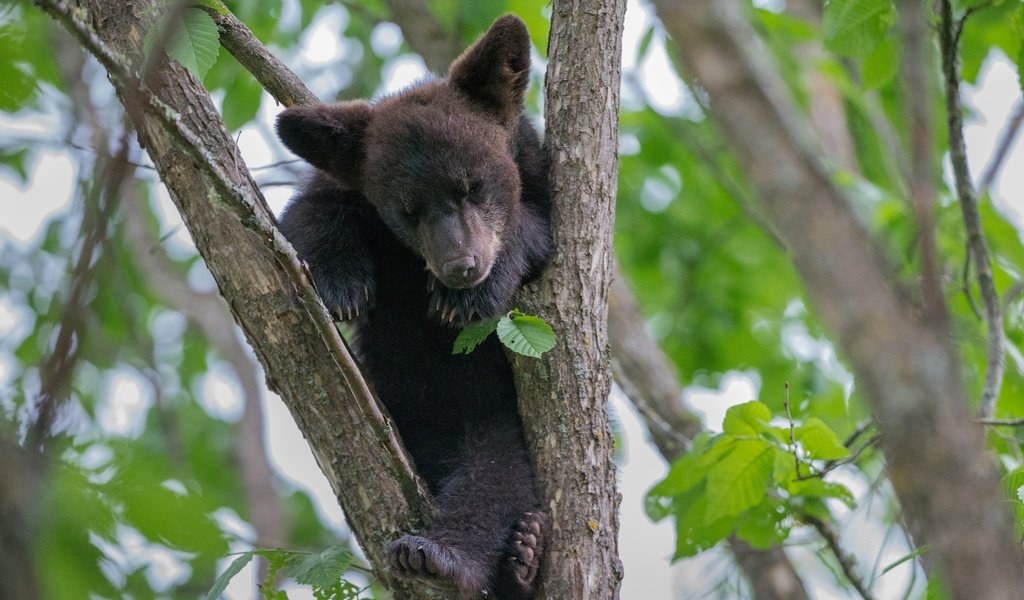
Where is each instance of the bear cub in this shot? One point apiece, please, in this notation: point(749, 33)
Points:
point(427, 210)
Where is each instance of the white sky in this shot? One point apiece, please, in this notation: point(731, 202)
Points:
point(645, 547)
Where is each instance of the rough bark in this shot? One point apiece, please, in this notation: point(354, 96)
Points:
point(906, 367)
point(355, 448)
point(563, 396)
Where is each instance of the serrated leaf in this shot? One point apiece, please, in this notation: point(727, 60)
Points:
point(819, 441)
point(749, 418)
point(195, 43)
point(525, 334)
point(854, 27)
point(740, 480)
point(221, 583)
point(324, 569)
point(473, 335)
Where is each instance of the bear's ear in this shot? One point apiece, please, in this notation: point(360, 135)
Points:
point(329, 137)
point(495, 70)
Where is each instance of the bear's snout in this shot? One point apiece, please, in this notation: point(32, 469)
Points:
point(461, 272)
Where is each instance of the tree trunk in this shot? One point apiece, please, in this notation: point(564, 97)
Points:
point(905, 364)
point(351, 440)
point(564, 395)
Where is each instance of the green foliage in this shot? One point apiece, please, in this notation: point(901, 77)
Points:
point(194, 42)
point(524, 334)
point(745, 481)
point(323, 572)
point(854, 27)
point(473, 334)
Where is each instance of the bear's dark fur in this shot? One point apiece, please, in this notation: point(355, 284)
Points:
point(429, 209)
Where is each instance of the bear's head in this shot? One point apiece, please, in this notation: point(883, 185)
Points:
point(437, 160)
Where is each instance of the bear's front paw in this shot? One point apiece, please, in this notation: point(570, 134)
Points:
point(439, 564)
point(459, 307)
point(348, 299)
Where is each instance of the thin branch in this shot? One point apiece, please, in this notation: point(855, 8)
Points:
point(56, 372)
point(244, 205)
point(1006, 138)
point(272, 74)
point(847, 561)
point(792, 433)
point(977, 245)
point(1009, 422)
point(832, 465)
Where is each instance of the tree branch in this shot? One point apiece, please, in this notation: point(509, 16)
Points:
point(847, 562)
point(998, 159)
point(271, 295)
point(563, 395)
point(906, 368)
point(977, 247)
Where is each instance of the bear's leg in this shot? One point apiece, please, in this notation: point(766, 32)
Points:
point(480, 506)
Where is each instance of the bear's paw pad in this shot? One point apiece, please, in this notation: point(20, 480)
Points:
point(525, 548)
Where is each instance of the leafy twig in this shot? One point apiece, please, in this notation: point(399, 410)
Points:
point(792, 434)
point(977, 247)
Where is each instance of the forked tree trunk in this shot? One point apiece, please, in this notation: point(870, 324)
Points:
point(566, 393)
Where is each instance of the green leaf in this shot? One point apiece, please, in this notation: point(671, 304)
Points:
point(749, 418)
point(221, 583)
point(525, 334)
point(195, 43)
point(819, 441)
point(764, 525)
point(241, 101)
point(854, 27)
point(817, 488)
point(694, 533)
point(473, 335)
point(740, 480)
point(1012, 484)
point(881, 65)
point(324, 569)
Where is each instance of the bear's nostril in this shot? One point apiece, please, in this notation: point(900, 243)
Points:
point(460, 268)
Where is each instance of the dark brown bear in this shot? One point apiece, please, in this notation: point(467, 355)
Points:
point(429, 209)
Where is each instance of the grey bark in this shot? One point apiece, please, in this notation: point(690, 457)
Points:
point(564, 395)
point(906, 367)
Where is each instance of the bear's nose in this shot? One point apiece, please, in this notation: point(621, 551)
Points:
point(460, 270)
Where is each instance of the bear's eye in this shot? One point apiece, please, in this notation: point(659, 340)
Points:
point(473, 194)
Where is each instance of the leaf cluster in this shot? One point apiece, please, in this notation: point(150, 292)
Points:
point(750, 481)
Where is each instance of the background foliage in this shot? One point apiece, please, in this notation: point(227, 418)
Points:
point(146, 499)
